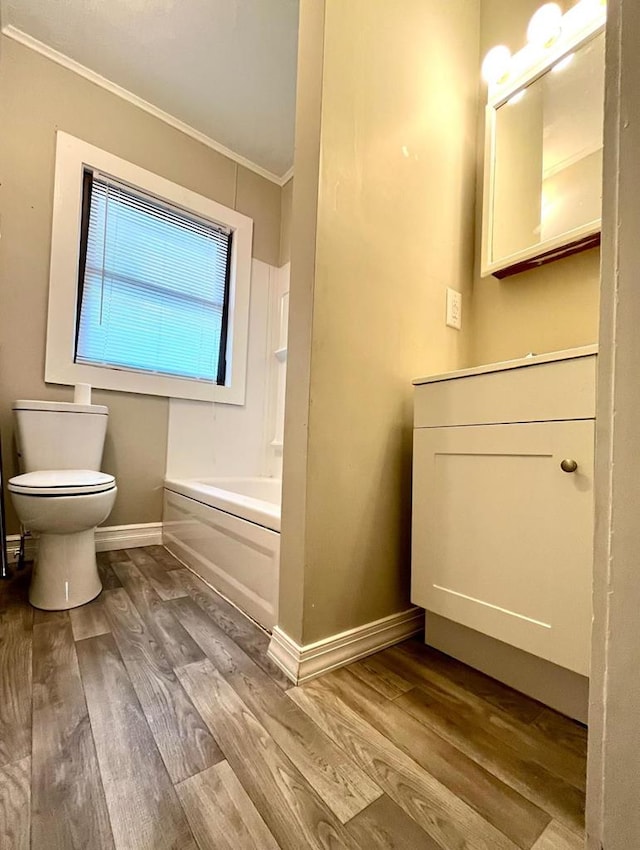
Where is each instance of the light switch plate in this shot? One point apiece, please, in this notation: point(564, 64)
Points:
point(454, 308)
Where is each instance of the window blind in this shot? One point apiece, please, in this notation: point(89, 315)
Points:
point(153, 285)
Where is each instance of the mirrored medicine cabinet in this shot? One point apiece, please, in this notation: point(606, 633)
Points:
point(543, 158)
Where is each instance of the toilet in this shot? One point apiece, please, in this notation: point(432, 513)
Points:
point(62, 496)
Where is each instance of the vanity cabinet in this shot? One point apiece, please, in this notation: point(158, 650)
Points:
point(503, 502)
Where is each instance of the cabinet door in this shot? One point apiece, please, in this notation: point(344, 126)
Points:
point(502, 537)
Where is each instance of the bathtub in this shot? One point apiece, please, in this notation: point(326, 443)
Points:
point(227, 530)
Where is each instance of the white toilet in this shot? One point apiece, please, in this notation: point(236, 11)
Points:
point(62, 496)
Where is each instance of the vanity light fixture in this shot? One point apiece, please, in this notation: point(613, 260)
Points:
point(545, 26)
point(550, 35)
point(527, 225)
point(496, 64)
point(589, 9)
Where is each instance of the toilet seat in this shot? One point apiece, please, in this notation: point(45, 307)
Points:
point(62, 482)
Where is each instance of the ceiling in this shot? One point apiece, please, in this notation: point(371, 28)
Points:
point(226, 68)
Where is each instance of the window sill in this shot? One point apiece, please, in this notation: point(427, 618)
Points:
point(127, 381)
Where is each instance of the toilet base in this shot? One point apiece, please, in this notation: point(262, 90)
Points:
point(65, 573)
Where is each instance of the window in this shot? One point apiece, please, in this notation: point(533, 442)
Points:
point(149, 282)
point(152, 285)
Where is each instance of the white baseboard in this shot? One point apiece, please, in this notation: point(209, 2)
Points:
point(107, 538)
point(301, 663)
point(128, 536)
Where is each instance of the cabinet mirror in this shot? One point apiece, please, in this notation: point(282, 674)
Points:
point(543, 163)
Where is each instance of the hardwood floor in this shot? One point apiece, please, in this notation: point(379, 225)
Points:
point(68, 808)
point(152, 719)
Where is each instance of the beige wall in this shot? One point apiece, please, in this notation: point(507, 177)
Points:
point(37, 97)
point(394, 209)
point(545, 309)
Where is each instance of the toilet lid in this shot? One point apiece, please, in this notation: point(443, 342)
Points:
point(62, 482)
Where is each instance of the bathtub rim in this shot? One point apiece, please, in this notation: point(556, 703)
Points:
point(249, 508)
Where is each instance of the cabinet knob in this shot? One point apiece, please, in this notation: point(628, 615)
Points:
point(568, 465)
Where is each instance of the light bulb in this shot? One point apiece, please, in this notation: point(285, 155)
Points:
point(589, 10)
point(495, 66)
point(545, 25)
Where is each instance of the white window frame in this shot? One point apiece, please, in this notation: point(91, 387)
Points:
point(72, 157)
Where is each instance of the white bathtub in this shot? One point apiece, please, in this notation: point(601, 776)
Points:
point(228, 531)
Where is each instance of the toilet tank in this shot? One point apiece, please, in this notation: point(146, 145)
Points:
point(59, 435)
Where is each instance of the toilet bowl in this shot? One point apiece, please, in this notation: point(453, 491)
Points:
point(61, 497)
point(63, 508)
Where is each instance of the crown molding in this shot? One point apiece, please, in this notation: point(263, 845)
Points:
point(70, 64)
point(286, 176)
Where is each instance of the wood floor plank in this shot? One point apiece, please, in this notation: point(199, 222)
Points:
point(89, 620)
point(344, 761)
point(183, 739)
point(164, 582)
point(344, 788)
point(385, 680)
point(441, 814)
point(566, 733)
point(288, 805)
point(163, 557)
point(114, 555)
point(143, 806)
point(494, 692)
point(498, 803)
point(385, 826)
point(16, 623)
point(532, 743)
point(557, 797)
point(107, 576)
point(139, 555)
point(558, 837)
point(40, 617)
point(176, 644)
point(221, 814)
point(15, 805)
point(68, 803)
point(252, 639)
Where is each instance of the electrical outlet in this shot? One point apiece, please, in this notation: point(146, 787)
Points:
point(454, 308)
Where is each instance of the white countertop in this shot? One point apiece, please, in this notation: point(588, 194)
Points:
point(519, 363)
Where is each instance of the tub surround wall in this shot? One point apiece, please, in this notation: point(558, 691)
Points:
point(385, 150)
point(206, 439)
point(38, 96)
point(546, 309)
point(277, 369)
point(285, 222)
